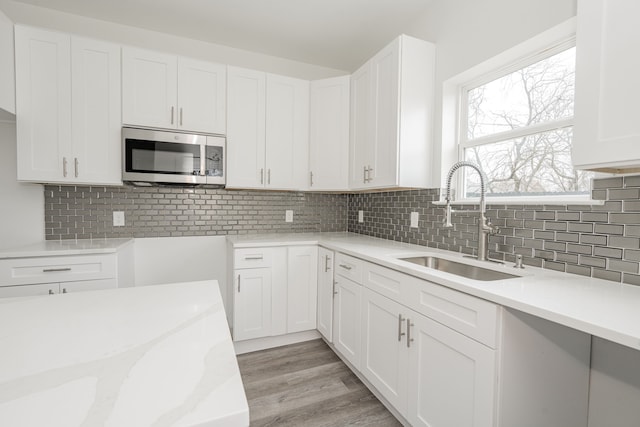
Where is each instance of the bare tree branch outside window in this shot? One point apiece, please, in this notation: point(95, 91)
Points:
point(536, 163)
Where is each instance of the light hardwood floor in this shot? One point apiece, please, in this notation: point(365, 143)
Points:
point(306, 384)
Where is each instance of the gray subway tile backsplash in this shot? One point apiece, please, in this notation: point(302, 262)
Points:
point(598, 240)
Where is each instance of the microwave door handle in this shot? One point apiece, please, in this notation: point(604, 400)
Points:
point(203, 158)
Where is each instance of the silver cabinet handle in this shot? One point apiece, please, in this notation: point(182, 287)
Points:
point(368, 174)
point(64, 290)
point(64, 167)
point(400, 333)
point(334, 288)
point(326, 263)
point(364, 174)
point(262, 176)
point(51, 270)
point(238, 283)
point(253, 257)
point(180, 116)
point(269, 176)
point(310, 179)
point(346, 267)
point(172, 108)
point(409, 339)
point(50, 292)
point(76, 163)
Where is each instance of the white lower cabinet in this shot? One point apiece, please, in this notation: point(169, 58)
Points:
point(56, 288)
point(325, 293)
point(451, 377)
point(346, 319)
point(443, 358)
point(275, 291)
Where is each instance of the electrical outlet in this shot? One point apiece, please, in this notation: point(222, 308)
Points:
point(118, 219)
point(415, 216)
point(360, 216)
point(288, 216)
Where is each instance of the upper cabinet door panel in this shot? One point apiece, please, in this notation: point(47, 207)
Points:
point(386, 86)
point(329, 134)
point(245, 128)
point(96, 111)
point(607, 130)
point(361, 130)
point(287, 132)
point(7, 65)
point(149, 88)
point(43, 104)
point(202, 96)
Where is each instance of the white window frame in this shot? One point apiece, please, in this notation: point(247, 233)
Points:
point(454, 110)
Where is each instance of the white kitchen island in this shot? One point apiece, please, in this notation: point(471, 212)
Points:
point(149, 356)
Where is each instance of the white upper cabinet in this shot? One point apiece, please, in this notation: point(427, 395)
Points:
point(607, 130)
point(245, 128)
point(68, 129)
point(391, 117)
point(7, 64)
point(267, 130)
point(165, 91)
point(287, 137)
point(329, 134)
point(96, 111)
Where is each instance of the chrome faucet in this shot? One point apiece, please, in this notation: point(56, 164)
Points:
point(485, 228)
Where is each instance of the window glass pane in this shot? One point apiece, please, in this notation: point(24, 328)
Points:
point(538, 93)
point(534, 165)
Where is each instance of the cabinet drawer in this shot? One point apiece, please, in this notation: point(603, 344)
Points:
point(25, 271)
point(349, 267)
point(471, 316)
point(252, 258)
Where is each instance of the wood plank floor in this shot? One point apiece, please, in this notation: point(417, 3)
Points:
point(306, 384)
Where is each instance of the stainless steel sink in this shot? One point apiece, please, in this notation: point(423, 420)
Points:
point(460, 269)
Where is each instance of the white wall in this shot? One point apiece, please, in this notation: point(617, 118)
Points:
point(126, 35)
point(468, 32)
point(21, 205)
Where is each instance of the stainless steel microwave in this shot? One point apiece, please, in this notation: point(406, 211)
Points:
point(172, 157)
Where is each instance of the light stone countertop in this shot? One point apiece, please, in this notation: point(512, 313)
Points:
point(156, 355)
point(65, 247)
point(602, 308)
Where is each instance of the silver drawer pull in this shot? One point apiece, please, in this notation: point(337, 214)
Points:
point(51, 270)
point(50, 292)
point(253, 257)
point(409, 339)
point(346, 267)
point(64, 290)
point(400, 321)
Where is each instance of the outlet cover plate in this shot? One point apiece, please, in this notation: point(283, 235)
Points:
point(414, 219)
point(360, 216)
point(118, 219)
point(288, 216)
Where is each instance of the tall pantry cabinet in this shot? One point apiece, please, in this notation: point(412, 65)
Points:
point(68, 108)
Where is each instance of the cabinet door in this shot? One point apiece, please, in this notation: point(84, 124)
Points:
point(302, 289)
point(329, 134)
point(384, 347)
point(607, 131)
point(43, 105)
point(361, 128)
point(245, 128)
point(451, 377)
point(325, 293)
point(96, 112)
point(201, 96)
point(149, 88)
point(7, 66)
point(346, 319)
point(287, 133)
point(252, 304)
point(386, 83)
point(28, 290)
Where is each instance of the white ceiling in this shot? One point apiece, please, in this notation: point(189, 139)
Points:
point(339, 34)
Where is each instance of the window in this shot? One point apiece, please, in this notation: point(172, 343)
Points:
point(517, 125)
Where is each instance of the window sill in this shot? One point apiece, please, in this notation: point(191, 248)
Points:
point(525, 201)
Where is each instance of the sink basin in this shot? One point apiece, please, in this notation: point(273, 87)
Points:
point(459, 269)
